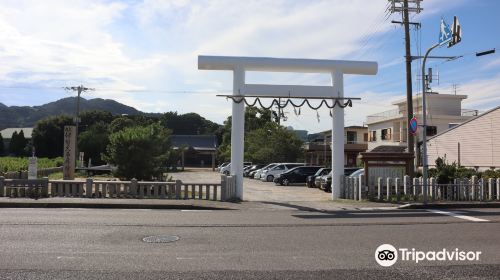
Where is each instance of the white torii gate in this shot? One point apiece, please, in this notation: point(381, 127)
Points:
point(337, 69)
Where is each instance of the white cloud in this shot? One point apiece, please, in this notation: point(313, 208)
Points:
point(154, 44)
point(482, 93)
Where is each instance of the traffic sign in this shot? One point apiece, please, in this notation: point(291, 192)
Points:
point(444, 33)
point(413, 126)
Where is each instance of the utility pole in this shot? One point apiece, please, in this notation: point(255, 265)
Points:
point(403, 7)
point(79, 89)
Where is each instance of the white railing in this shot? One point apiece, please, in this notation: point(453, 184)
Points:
point(406, 189)
point(222, 191)
point(384, 116)
point(469, 112)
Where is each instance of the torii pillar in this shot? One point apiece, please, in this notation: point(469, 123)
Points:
point(336, 68)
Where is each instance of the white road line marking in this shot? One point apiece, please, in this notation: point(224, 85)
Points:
point(456, 215)
point(378, 208)
point(68, 257)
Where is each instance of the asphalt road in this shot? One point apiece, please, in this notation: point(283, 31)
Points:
point(266, 243)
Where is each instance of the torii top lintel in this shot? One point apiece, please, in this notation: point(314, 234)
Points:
point(270, 64)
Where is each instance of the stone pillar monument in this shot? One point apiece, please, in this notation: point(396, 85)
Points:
point(69, 152)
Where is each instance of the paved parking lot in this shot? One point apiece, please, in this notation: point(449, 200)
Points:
point(255, 190)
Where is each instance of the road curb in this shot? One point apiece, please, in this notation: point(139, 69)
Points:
point(449, 205)
point(41, 204)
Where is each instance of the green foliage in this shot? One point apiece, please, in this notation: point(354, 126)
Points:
point(18, 144)
point(93, 142)
point(48, 136)
point(272, 143)
point(21, 163)
point(2, 146)
point(491, 174)
point(265, 140)
point(139, 152)
point(188, 124)
point(90, 118)
point(120, 123)
point(173, 157)
point(446, 173)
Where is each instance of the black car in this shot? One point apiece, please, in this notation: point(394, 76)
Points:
point(310, 181)
point(252, 168)
point(326, 182)
point(296, 175)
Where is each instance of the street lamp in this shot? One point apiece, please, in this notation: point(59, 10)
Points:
point(452, 37)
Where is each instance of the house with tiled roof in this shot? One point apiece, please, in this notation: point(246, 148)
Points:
point(197, 150)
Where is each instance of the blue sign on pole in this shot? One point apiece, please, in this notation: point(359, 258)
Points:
point(444, 33)
point(413, 126)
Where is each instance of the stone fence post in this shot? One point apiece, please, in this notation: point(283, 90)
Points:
point(2, 184)
point(473, 187)
point(379, 188)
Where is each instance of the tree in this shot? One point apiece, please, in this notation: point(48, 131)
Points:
point(139, 152)
point(2, 146)
point(272, 143)
point(18, 144)
point(188, 124)
point(93, 142)
point(121, 123)
point(265, 140)
point(92, 117)
point(48, 136)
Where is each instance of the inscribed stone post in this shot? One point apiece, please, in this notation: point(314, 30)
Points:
point(69, 152)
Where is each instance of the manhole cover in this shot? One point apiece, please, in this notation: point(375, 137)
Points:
point(160, 238)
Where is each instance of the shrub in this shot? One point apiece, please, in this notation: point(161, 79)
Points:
point(139, 152)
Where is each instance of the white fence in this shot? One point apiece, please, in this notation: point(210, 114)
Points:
point(406, 189)
point(223, 191)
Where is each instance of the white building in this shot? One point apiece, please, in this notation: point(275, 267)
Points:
point(443, 111)
point(474, 143)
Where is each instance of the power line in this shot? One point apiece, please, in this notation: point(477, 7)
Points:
point(374, 29)
point(188, 91)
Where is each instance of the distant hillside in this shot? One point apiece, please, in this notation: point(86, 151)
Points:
point(25, 116)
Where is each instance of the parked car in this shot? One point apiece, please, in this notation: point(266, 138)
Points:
point(263, 169)
point(356, 173)
point(268, 176)
point(296, 175)
point(221, 166)
point(326, 181)
point(226, 169)
point(251, 168)
point(311, 180)
point(245, 168)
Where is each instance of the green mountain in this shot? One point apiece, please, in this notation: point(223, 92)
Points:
point(26, 116)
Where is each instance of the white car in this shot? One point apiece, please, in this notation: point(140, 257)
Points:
point(263, 169)
point(268, 175)
point(226, 169)
point(221, 166)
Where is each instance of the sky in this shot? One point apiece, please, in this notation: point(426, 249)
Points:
point(144, 53)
